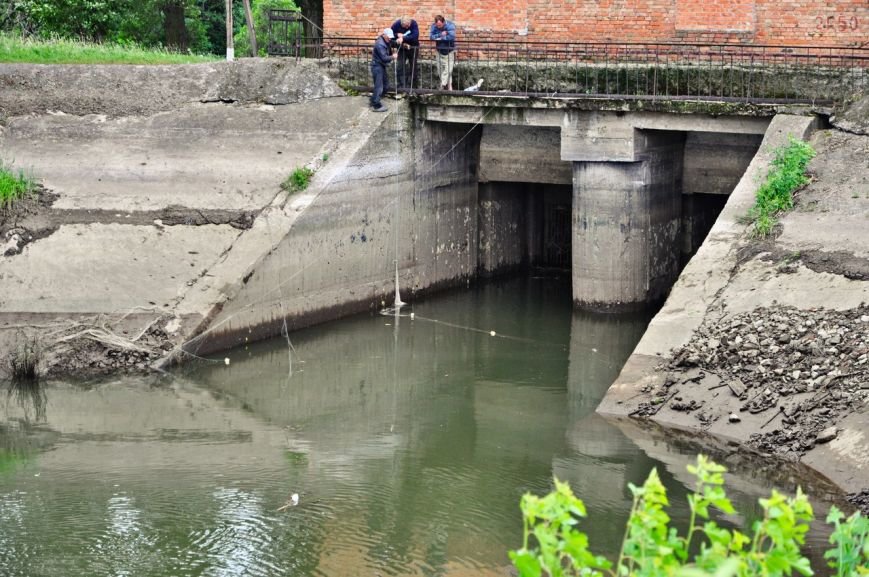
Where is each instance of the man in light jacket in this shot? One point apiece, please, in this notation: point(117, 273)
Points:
point(444, 35)
point(381, 57)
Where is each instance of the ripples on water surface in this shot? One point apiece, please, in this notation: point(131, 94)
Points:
point(410, 443)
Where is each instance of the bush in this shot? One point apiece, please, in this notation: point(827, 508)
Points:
point(651, 547)
point(775, 195)
point(298, 179)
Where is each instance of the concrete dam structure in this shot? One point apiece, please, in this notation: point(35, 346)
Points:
point(447, 193)
point(164, 232)
point(436, 193)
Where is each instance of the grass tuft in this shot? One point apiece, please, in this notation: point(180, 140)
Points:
point(14, 186)
point(25, 384)
point(17, 48)
point(298, 180)
point(24, 362)
point(775, 195)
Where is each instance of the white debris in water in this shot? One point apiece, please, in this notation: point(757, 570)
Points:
point(492, 333)
point(226, 361)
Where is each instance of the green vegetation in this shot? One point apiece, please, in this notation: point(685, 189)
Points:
point(651, 547)
point(15, 48)
point(347, 87)
point(176, 26)
point(13, 187)
point(24, 362)
point(298, 180)
point(775, 195)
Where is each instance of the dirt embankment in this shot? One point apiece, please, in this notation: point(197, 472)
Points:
point(784, 377)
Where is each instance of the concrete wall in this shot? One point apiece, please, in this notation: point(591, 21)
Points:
point(523, 154)
point(805, 22)
point(503, 227)
point(715, 161)
point(408, 195)
point(444, 212)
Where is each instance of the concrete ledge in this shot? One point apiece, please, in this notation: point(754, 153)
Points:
point(126, 90)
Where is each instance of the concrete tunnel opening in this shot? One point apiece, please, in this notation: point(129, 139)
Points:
point(528, 197)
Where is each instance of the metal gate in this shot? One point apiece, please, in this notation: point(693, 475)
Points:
point(285, 33)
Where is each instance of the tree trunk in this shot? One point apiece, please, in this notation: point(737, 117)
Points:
point(250, 30)
point(313, 11)
point(230, 48)
point(174, 25)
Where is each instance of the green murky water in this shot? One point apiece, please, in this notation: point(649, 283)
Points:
point(409, 442)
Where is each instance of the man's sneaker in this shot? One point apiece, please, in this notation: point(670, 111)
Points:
point(381, 108)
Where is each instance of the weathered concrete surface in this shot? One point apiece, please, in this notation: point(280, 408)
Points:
point(269, 276)
point(522, 154)
point(397, 198)
point(147, 206)
point(202, 156)
point(92, 268)
point(730, 274)
point(124, 90)
point(504, 213)
point(854, 118)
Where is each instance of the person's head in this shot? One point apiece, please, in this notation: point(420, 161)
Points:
point(388, 34)
point(439, 21)
point(405, 21)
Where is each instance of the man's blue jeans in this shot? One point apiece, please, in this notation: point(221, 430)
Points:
point(381, 84)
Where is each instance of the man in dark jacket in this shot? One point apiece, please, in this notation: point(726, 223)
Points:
point(407, 38)
point(382, 57)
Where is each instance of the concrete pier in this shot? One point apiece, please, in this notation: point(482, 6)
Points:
point(626, 219)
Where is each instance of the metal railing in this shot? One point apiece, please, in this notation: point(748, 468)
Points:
point(733, 72)
point(285, 33)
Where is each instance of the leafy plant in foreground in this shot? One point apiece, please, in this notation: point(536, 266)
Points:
point(850, 541)
point(651, 547)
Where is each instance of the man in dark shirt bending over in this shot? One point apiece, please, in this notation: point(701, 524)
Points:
point(407, 38)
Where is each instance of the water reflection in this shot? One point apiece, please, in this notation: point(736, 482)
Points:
point(30, 396)
point(409, 441)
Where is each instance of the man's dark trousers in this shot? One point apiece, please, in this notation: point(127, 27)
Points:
point(406, 66)
point(381, 84)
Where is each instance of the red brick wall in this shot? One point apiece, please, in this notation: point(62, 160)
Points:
point(803, 22)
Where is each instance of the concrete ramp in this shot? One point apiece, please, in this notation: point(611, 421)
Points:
point(146, 207)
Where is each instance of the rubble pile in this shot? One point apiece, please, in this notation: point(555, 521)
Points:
point(812, 365)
